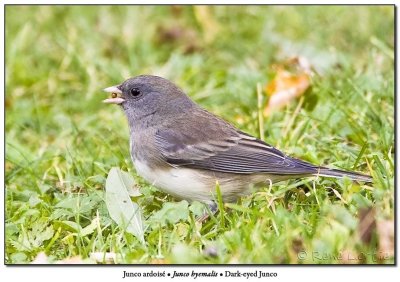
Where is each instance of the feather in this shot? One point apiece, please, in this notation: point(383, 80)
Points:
point(237, 153)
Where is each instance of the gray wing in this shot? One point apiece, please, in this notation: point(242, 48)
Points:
point(228, 150)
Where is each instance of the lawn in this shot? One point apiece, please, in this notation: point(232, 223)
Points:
point(61, 141)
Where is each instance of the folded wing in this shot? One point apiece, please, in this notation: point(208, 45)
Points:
point(229, 151)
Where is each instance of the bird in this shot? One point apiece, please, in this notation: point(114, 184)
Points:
point(186, 151)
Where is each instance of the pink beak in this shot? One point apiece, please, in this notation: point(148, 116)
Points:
point(117, 100)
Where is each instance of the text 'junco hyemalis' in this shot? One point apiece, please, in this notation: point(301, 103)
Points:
point(185, 150)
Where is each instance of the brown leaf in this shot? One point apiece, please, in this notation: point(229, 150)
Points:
point(291, 80)
point(349, 257)
point(180, 36)
point(366, 224)
point(297, 245)
point(176, 10)
point(385, 231)
point(170, 34)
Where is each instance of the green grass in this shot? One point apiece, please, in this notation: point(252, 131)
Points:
point(61, 141)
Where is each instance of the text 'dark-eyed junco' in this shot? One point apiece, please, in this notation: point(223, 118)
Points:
point(184, 150)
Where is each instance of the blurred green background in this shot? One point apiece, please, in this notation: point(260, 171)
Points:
point(61, 140)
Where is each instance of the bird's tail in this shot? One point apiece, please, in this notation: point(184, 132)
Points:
point(337, 173)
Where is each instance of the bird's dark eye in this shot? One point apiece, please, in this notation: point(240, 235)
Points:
point(135, 92)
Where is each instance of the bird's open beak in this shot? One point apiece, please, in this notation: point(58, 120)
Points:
point(115, 95)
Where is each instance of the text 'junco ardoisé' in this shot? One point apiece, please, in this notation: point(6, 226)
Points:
point(184, 150)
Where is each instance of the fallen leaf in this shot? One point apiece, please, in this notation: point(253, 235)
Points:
point(297, 245)
point(349, 257)
point(299, 64)
point(382, 229)
point(133, 189)
point(122, 210)
point(288, 84)
point(385, 231)
point(176, 10)
point(366, 224)
point(179, 37)
point(170, 34)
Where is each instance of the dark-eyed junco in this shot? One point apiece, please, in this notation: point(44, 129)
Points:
point(185, 150)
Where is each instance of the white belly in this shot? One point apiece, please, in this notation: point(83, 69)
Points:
point(183, 183)
point(192, 185)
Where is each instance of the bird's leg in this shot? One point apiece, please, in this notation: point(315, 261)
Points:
point(212, 209)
